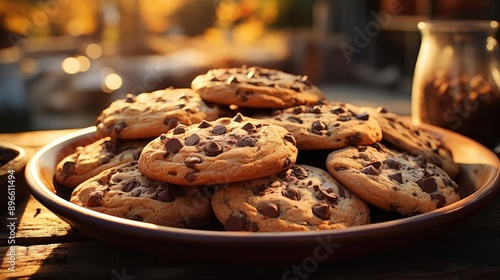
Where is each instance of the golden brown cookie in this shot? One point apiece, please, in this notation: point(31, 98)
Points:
point(414, 140)
point(392, 180)
point(222, 151)
point(122, 191)
point(148, 115)
point(301, 198)
point(256, 87)
point(327, 125)
point(89, 160)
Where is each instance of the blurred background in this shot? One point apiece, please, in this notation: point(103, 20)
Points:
point(63, 61)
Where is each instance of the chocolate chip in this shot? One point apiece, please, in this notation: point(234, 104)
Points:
point(173, 145)
point(204, 124)
point(344, 118)
point(246, 141)
point(179, 129)
point(321, 211)
point(362, 116)
point(379, 147)
point(421, 161)
point(192, 161)
point(169, 194)
point(341, 191)
point(190, 177)
point(337, 110)
point(118, 127)
point(270, 210)
point(213, 149)
point(297, 110)
point(235, 223)
point(238, 118)
point(94, 199)
point(428, 185)
point(130, 185)
point(317, 127)
point(219, 130)
point(249, 127)
point(253, 227)
point(398, 177)
point(295, 88)
point(287, 162)
point(354, 139)
point(129, 98)
point(369, 170)
point(290, 193)
point(171, 122)
point(300, 172)
point(393, 163)
point(316, 110)
point(294, 120)
point(450, 183)
point(289, 137)
point(115, 147)
point(136, 155)
point(375, 164)
point(327, 194)
point(440, 199)
point(69, 167)
point(135, 217)
point(192, 139)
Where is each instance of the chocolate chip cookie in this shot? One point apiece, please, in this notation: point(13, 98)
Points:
point(393, 180)
point(148, 115)
point(403, 134)
point(256, 87)
point(327, 125)
point(89, 160)
point(301, 198)
point(122, 191)
point(222, 151)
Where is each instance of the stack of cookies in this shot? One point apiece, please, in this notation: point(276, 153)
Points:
point(256, 149)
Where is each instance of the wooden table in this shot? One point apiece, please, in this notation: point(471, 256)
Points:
point(48, 248)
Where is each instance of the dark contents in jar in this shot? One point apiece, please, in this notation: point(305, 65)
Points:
point(469, 105)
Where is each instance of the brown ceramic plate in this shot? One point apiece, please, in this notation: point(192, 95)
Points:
point(479, 184)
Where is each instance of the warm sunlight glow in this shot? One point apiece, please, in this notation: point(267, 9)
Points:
point(93, 51)
point(84, 63)
point(113, 81)
point(71, 65)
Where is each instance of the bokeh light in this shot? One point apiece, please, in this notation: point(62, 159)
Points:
point(71, 65)
point(93, 51)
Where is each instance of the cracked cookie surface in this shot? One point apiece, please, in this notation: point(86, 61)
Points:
point(327, 125)
point(91, 159)
point(124, 192)
point(256, 87)
point(393, 180)
point(147, 115)
point(414, 140)
point(301, 198)
point(223, 151)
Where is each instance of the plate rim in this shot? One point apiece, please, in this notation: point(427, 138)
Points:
point(57, 204)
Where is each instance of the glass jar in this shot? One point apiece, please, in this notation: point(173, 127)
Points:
point(456, 79)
